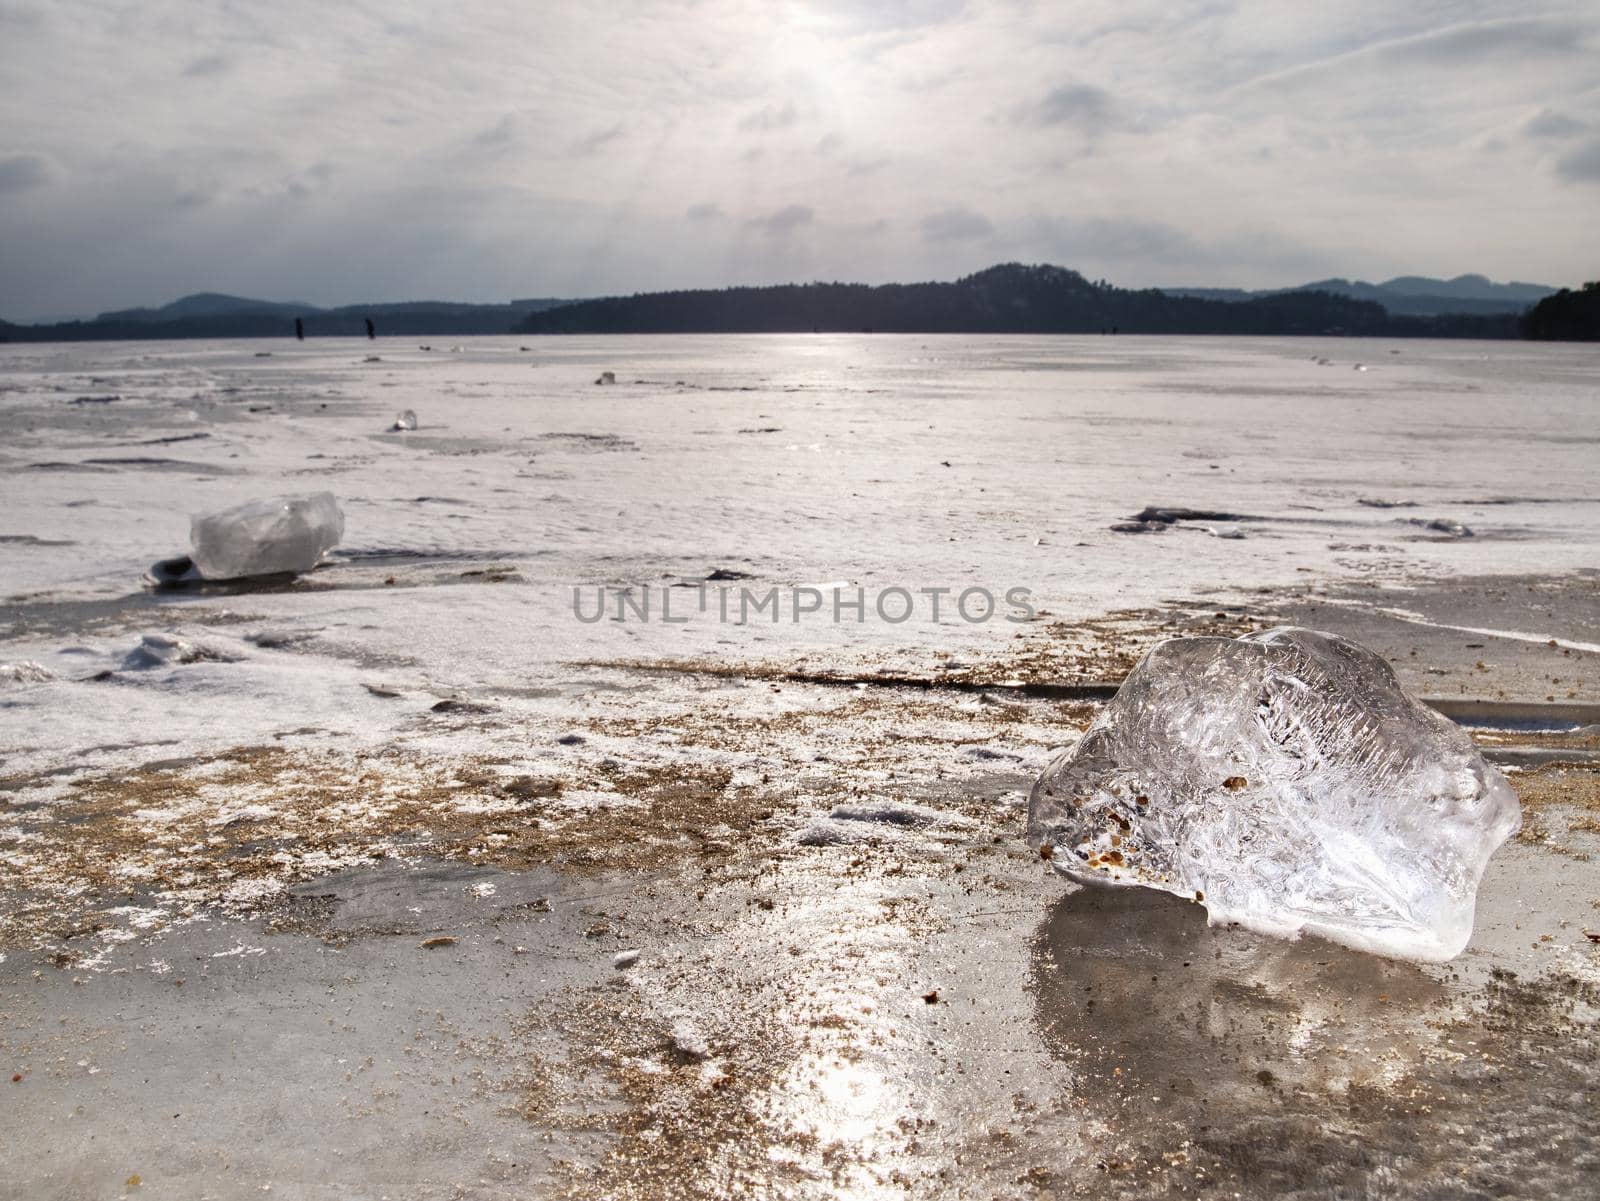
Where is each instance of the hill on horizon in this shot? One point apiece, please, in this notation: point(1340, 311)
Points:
point(1413, 295)
point(208, 304)
point(1007, 298)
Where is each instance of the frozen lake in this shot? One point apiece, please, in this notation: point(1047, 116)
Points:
point(857, 462)
point(404, 815)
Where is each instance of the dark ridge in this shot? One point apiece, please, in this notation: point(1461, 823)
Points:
point(1010, 298)
point(1567, 316)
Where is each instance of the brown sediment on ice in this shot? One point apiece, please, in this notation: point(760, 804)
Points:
point(234, 830)
point(1071, 660)
point(775, 1035)
point(1560, 803)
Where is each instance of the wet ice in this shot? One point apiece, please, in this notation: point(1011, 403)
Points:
point(1287, 782)
point(267, 537)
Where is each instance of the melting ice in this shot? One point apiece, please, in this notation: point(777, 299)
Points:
point(267, 537)
point(1286, 781)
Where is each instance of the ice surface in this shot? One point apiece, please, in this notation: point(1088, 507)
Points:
point(267, 537)
point(163, 650)
point(1288, 783)
point(16, 675)
point(999, 408)
point(888, 813)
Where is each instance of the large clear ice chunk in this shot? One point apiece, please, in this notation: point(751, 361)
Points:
point(1287, 782)
point(266, 537)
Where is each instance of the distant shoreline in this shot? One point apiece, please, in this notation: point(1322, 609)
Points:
point(1011, 298)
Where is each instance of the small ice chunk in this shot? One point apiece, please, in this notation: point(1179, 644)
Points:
point(623, 960)
point(405, 421)
point(1287, 782)
point(1442, 525)
point(267, 537)
point(607, 377)
point(163, 650)
point(888, 813)
point(19, 675)
point(826, 832)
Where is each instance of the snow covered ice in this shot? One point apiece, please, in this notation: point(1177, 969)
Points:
point(267, 537)
point(1286, 781)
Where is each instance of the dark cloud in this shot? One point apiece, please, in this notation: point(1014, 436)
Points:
point(1581, 165)
point(23, 173)
point(501, 133)
point(1082, 106)
point(771, 117)
point(1551, 124)
point(207, 66)
point(786, 220)
point(956, 225)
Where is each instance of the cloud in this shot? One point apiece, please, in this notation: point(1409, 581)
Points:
point(23, 173)
point(1581, 165)
point(877, 16)
point(1082, 106)
point(867, 166)
point(558, 149)
point(208, 65)
point(1110, 239)
point(597, 140)
point(1509, 38)
point(1551, 124)
point(770, 118)
point(501, 133)
point(784, 221)
point(1510, 42)
point(956, 225)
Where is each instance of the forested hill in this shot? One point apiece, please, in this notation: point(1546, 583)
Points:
point(1010, 298)
point(1568, 316)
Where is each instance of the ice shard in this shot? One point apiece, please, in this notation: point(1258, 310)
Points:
point(266, 537)
point(1287, 782)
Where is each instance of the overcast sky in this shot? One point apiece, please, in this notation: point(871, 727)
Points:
point(489, 149)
